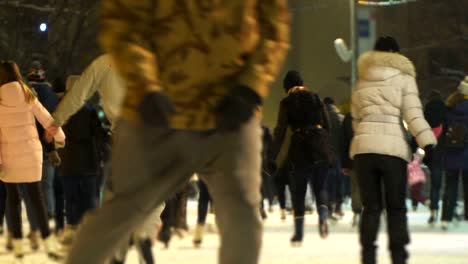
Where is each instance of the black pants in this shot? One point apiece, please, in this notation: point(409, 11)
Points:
point(38, 203)
point(436, 185)
point(59, 202)
point(3, 197)
point(300, 178)
point(80, 196)
point(452, 179)
point(204, 199)
point(335, 186)
point(281, 181)
point(383, 180)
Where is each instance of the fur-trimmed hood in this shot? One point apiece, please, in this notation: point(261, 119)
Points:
point(377, 65)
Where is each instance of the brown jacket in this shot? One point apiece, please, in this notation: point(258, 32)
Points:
point(194, 51)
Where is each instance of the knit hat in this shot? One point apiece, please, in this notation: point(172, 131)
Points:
point(36, 72)
point(292, 79)
point(463, 87)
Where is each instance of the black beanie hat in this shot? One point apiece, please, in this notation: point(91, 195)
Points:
point(387, 44)
point(292, 79)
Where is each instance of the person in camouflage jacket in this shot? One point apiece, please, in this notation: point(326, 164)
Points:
point(195, 73)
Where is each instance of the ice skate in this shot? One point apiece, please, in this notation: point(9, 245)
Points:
point(296, 239)
point(18, 248)
point(198, 235)
point(34, 238)
point(433, 218)
point(52, 248)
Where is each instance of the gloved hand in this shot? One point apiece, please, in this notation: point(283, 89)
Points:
point(54, 158)
point(237, 108)
point(155, 109)
point(428, 150)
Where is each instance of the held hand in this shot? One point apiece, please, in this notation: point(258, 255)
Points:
point(50, 133)
point(54, 158)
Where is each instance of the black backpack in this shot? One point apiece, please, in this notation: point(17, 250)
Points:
point(455, 135)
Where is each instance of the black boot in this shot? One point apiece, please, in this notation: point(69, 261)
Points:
point(323, 225)
point(399, 254)
point(296, 240)
point(145, 250)
point(433, 218)
point(368, 255)
point(164, 236)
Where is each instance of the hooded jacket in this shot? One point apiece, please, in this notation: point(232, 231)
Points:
point(385, 96)
point(195, 52)
point(20, 147)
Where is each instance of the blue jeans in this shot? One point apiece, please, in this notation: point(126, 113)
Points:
point(80, 196)
point(48, 175)
point(436, 184)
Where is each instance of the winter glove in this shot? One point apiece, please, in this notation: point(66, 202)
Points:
point(155, 109)
point(54, 158)
point(428, 150)
point(237, 108)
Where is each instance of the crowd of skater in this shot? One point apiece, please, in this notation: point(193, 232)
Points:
point(114, 154)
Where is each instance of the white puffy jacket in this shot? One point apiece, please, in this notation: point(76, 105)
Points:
point(385, 96)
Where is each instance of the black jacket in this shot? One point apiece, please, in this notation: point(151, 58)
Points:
point(304, 113)
point(86, 143)
point(348, 134)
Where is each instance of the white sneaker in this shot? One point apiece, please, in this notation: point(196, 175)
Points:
point(445, 225)
point(18, 248)
point(68, 236)
point(53, 248)
point(198, 235)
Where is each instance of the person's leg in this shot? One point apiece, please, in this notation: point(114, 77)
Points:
point(356, 203)
point(149, 164)
point(39, 207)
point(48, 174)
point(87, 193)
point(465, 192)
point(299, 185)
point(203, 201)
point(436, 185)
point(450, 195)
point(3, 197)
point(234, 180)
point(370, 186)
point(319, 180)
point(339, 190)
point(395, 184)
point(13, 209)
point(59, 202)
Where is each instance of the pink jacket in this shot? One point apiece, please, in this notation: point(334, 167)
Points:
point(20, 147)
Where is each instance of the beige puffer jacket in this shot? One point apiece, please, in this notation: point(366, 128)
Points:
point(385, 96)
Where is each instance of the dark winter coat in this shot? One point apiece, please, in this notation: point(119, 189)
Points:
point(303, 112)
point(435, 112)
point(456, 159)
point(49, 100)
point(86, 142)
point(336, 135)
point(348, 134)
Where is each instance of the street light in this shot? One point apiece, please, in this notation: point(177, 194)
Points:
point(43, 27)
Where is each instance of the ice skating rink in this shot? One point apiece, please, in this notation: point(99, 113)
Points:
point(429, 245)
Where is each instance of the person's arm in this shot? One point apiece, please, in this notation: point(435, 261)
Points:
point(125, 26)
point(413, 115)
point(86, 85)
point(263, 65)
point(279, 132)
point(45, 119)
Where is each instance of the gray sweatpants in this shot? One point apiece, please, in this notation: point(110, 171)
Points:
point(150, 164)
